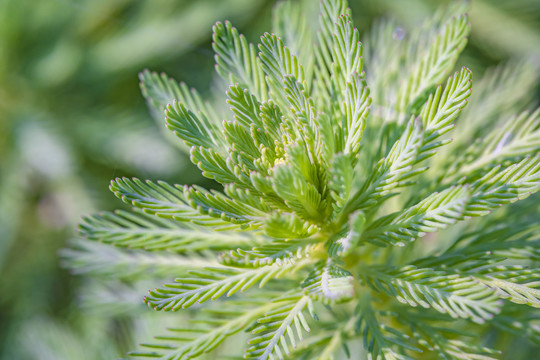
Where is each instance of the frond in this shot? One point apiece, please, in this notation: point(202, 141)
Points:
point(437, 339)
point(502, 91)
point(519, 324)
point(384, 54)
point(457, 296)
point(161, 90)
point(519, 137)
point(436, 212)
point(341, 176)
point(300, 193)
point(288, 226)
point(499, 187)
point(435, 64)
point(348, 242)
point(304, 113)
point(212, 283)
point(192, 129)
point(391, 171)
point(171, 202)
point(99, 260)
point(518, 241)
point(237, 61)
point(277, 326)
point(380, 340)
point(244, 106)
point(137, 230)
point(277, 63)
point(213, 326)
point(331, 10)
point(215, 166)
point(329, 283)
point(289, 19)
point(515, 283)
point(279, 252)
point(218, 205)
point(347, 52)
point(355, 109)
point(441, 109)
point(418, 142)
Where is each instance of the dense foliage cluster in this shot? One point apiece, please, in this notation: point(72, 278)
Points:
point(333, 197)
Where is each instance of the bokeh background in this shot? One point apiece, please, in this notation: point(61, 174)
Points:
point(72, 118)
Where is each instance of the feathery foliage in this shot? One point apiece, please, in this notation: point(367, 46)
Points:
point(328, 202)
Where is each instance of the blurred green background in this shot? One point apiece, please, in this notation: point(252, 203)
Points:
point(72, 118)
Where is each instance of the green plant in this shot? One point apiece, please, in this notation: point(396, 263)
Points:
point(333, 203)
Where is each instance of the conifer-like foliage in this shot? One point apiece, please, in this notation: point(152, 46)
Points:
point(339, 173)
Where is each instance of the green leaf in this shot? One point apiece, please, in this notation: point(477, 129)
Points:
point(163, 200)
point(347, 52)
point(500, 187)
point(277, 326)
point(290, 21)
point(390, 172)
point(138, 230)
point(243, 151)
point(299, 195)
point(341, 176)
point(277, 63)
point(437, 339)
point(355, 111)
point(215, 204)
point(380, 340)
point(281, 225)
point(418, 142)
point(236, 60)
point(441, 109)
point(192, 129)
point(273, 120)
point(212, 283)
point(435, 64)
point(503, 91)
point(329, 283)
point(329, 15)
point(160, 90)
point(279, 252)
point(515, 283)
point(384, 55)
point(345, 244)
point(103, 261)
point(204, 335)
point(215, 166)
point(244, 106)
point(520, 136)
point(452, 294)
point(434, 213)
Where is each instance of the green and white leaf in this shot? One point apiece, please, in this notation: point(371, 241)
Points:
point(380, 340)
point(434, 213)
point(138, 230)
point(435, 64)
point(204, 335)
point(347, 52)
point(200, 286)
point(452, 294)
point(329, 283)
point(500, 187)
point(237, 61)
point(515, 283)
point(279, 329)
